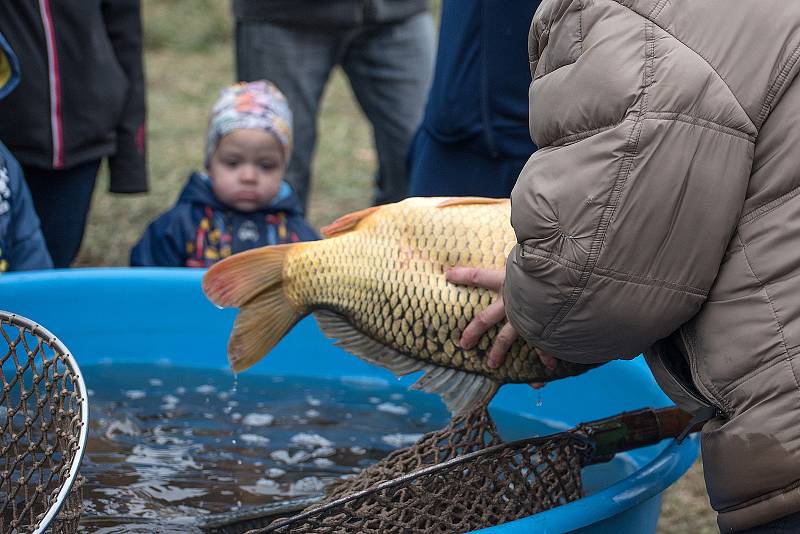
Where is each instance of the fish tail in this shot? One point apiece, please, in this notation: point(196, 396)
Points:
point(253, 282)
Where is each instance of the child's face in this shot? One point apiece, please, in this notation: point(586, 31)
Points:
point(246, 169)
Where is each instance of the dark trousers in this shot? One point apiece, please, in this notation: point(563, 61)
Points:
point(389, 67)
point(442, 170)
point(789, 524)
point(62, 199)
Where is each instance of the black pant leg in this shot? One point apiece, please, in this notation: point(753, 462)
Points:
point(62, 199)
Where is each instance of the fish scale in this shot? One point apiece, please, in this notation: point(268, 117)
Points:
point(377, 284)
point(390, 311)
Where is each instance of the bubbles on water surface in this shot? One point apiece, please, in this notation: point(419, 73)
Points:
point(258, 419)
point(165, 451)
point(389, 407)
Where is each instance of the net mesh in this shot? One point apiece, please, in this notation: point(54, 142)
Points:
point(41, 408)
point(460, 478)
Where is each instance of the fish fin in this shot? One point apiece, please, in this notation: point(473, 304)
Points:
point(464, 201)
point(347, 223)
point(356, 342)
point(235, 280)
point(459, 390)
point(262, 322)
point(253, 281)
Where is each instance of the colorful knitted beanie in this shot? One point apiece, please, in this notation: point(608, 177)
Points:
point(258, 105)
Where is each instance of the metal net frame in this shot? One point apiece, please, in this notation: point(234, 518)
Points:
point(457, 479)
point(44, 415)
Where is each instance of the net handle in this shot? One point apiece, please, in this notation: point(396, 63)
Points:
point(639, 428)
point(56, 344)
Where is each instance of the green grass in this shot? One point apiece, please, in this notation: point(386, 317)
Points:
point(188, 59)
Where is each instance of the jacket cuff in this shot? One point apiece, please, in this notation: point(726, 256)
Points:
point(532, 298)
point(127, 176)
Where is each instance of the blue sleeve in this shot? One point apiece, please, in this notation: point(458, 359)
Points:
point(162, 244)
point(27, 248)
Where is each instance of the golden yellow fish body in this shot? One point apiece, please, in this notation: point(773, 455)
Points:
point(387, 278)
point(377, 284)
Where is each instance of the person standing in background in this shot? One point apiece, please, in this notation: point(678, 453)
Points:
point(81, 99)
point(386, 49)
point(474, 137)
point(22, 246)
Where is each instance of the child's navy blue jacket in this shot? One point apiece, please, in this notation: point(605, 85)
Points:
point(22, 246)
point(199, 230)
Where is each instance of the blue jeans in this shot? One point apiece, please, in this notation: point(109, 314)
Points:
point(389, 67)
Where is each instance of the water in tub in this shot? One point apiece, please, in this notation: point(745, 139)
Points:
point(168, 445)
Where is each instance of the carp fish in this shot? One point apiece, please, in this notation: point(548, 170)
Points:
point(377, 286)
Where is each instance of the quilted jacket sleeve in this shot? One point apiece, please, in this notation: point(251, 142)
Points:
point(27, 248)
point(624, 214)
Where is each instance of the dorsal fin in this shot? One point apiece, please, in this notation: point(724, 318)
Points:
point(464, 201)
point(348, 222)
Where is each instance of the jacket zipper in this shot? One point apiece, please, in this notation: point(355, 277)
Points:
point(678, 381)
point(54, 80)
point(695, 373)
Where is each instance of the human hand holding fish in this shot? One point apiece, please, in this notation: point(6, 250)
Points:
point(493, 314)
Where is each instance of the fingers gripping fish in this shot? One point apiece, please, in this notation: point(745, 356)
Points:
point(377, 286)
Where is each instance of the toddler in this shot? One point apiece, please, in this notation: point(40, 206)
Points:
point(242, 202)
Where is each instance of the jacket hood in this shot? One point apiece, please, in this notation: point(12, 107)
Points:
point(198, 191)
point(9, 68)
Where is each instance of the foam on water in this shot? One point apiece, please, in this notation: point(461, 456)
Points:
point(258, 419)
point(255, 440)
point(170, 448)
point(166, 450)
point(389, 407)
point(401, 440)
point(310, 440)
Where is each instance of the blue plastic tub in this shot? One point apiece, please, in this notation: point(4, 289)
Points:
point(157, 315)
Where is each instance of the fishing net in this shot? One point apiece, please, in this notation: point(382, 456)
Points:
point(44, 416)
point(465, 477)
point(457, 479)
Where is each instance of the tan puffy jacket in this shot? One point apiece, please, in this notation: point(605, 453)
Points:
point(661, 214)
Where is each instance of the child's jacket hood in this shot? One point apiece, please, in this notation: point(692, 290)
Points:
point(198, 191)
point(9, 68)
point(200, 230)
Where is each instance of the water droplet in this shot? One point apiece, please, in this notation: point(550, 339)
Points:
point(235, 383)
